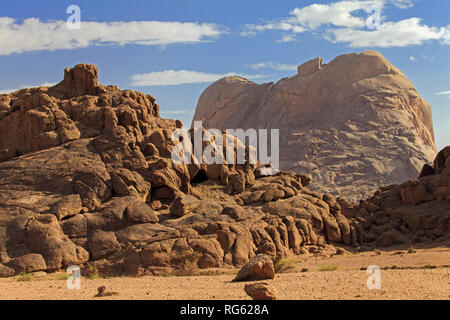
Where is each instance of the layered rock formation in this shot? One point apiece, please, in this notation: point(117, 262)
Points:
point(355, 124)
point(86, 177)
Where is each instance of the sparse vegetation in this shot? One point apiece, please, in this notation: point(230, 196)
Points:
point(329, 267)
point(217, 272)
point(23, 276)
point(92, 271)
point(282, 265)
point(63, 276)
point(411, 250)
point(189, 264)
point(394, 267)
point(377, 252)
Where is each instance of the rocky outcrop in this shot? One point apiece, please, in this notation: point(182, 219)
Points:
point(354, 124)
point(412, 212)
point(106, 192)
point(83, 169)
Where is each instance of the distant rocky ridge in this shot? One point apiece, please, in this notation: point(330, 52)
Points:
point(86, 178)
point(355, 124)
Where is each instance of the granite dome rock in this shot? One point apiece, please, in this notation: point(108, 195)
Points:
point(355, 124)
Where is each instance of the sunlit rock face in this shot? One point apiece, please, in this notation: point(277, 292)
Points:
point(355, 124)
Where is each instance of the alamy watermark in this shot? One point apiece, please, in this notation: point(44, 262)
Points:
point(374, 279)
point(236, 151)
point(74, 20)
point(74, 280)
point(373, 21)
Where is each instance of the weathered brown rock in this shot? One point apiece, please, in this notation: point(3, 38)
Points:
point(261, 291)
point(389, 238)
point(102, 292)
point(310, 67)
point(139, 212)
point(236, 212)
point(102, 244)
point(6, 272)
point(259, 268)
point(67, 206)
point(183, 205)
point(28, 263)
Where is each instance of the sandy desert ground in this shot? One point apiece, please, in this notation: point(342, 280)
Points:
point(424, 274)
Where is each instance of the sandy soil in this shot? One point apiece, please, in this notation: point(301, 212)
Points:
point(421, 275)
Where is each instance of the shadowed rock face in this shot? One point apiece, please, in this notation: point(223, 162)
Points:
point(86, 177)
point(355, 124)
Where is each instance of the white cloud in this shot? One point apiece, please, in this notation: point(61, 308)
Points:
point(403, 4)
point(272, 65)
point(316, 15)
point(413, 59)
point(337, 14)
point(6, 91)
point(177, 112)
point(45, 84)
point(443, 93)
point(352, 22)
point(33, 34)
point(390, 34)
point(252, 29)
point(427, 58)
point(286, 38)
point(177, 77)
point(49, 84)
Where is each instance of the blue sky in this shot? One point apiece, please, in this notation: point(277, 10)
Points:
point(173, 49)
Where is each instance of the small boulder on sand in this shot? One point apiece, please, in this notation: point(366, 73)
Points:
point(261, 291)
point(258, 268)
point(103, 293)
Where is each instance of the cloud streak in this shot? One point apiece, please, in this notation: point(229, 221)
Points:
point(273, 65)
point(35, 35)
point(23, 86)
point(403, 4)
point(177, 77)
point(181, 112)
point(6, 91)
